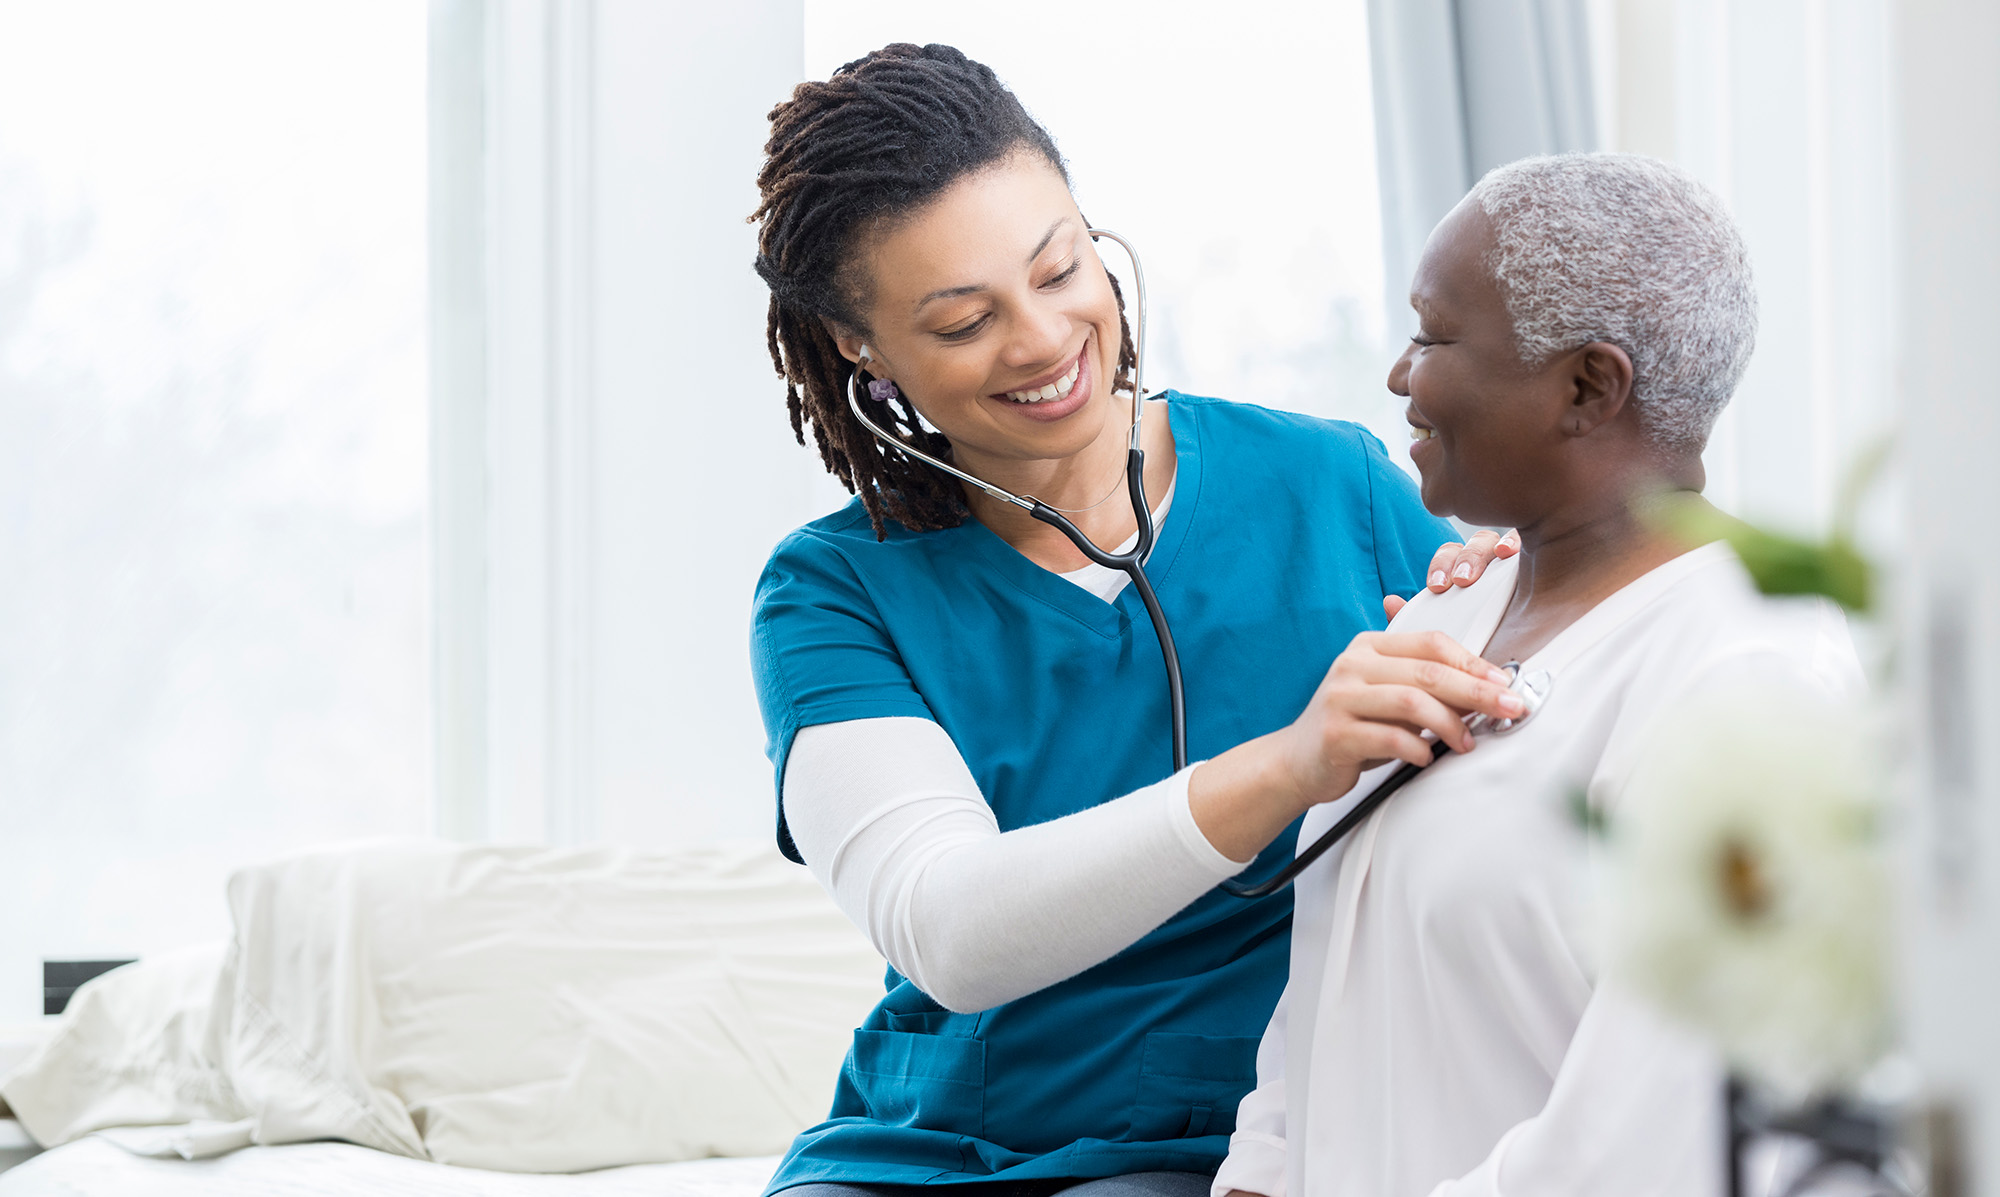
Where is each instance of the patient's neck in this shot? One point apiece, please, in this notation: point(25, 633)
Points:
point(1573, 560)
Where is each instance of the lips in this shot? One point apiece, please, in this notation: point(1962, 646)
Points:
point(1055, 385)
point(1419, 431)
point(1050, 390)
point(1073, 384)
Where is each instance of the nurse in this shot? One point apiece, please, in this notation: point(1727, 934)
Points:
point(969, 721)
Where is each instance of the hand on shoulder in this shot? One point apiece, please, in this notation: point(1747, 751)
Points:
point(1461, 564)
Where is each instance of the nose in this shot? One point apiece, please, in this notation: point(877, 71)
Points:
point(1399, 374)
point(1041, 332)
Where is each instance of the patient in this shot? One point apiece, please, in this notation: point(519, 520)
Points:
point(1583, 320)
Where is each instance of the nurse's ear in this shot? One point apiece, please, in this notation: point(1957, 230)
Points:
point(856, 350)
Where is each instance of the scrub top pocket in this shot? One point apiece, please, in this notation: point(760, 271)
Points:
point(937, 1082)
point(1189, 1085)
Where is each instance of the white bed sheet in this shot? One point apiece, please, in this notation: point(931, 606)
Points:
point(92, 1167)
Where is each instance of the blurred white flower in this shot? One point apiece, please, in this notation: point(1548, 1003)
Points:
point(1749, 892)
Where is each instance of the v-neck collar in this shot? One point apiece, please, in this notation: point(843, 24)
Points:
point(1109, 619)
point(1601, 620)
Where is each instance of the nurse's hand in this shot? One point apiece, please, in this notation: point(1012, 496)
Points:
point(1380, 695)
point(1373, 706)
point(1461, 564)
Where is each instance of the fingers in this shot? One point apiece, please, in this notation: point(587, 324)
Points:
point(1438, 577)
point(1373, 742)
point(1433, 663)
point(1382, 710)
point(1392, 603)
point(1462, 564)
point(1473, 557)
point(1461, 692)
point(1422, 646)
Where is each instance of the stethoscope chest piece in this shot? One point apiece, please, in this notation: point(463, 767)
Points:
point(1530, 688)
point(1533, 690)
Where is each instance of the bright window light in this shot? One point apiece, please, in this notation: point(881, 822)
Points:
point(212, 456)
point(1234, 144)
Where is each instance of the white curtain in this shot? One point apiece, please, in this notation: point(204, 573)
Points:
point(1462, 86)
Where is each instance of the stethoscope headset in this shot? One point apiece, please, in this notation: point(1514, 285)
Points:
point(1132, 563)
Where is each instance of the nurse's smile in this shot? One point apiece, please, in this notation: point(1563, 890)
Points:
point(991, 311)
point(1050, 398)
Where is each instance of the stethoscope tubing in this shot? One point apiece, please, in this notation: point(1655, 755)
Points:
point(1133, 563)
point(1133, 566)
point(1338, 832)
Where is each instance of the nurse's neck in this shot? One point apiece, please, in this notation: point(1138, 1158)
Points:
point(1091, 486)
point(1602, 535)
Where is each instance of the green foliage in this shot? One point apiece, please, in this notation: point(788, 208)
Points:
point(1590, 819)
point(1782, 564)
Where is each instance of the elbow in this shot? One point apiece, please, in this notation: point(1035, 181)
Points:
point(961, 973)
point(959, 987)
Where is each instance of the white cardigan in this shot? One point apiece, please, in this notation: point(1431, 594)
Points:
point(1442, 1032)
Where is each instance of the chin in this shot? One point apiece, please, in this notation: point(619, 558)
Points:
point(1435, 494)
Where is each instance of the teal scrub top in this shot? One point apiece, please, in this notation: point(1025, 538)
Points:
point(1285, 533)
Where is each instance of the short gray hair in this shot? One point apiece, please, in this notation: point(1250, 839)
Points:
point(1627, 249)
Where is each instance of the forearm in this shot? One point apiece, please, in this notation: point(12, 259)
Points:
point(995, 920)
point(891, 822)
point(1243, 799)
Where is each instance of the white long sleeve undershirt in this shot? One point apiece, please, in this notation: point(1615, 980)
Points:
point(889, 819)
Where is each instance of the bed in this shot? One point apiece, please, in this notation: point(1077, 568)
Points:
point(93, 1166)
point(428, 1018)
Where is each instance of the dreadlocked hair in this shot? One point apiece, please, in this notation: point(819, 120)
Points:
point(887, 134)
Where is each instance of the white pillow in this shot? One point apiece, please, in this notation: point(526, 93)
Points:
point(524, 1009)
point(132, 1050)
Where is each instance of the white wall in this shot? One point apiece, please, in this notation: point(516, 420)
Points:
point(1948, 90)
point(1783, 107)
point(627, 463)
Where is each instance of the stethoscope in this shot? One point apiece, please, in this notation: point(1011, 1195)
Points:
point(1132, 563)
point(1533, 689)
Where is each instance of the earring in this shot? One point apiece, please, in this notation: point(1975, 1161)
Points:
point(881, 390)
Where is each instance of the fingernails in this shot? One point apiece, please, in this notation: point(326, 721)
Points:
point(1437, 580)
point(1498, 677)
point(1463, 572)
point(1512, 704)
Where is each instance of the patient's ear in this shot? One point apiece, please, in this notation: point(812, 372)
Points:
point(1601, 374)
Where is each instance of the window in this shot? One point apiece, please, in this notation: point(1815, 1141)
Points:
point(1235, 147)
point(212, 457)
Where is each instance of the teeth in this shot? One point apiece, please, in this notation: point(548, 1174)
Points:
point(1061, 386)
point(1422, 434)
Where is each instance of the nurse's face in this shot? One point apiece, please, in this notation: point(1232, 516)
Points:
point(990, 311)
point(1487, 429)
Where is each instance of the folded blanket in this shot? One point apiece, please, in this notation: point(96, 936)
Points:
point(524, 1009)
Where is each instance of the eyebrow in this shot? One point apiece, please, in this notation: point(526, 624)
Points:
point(954, 292)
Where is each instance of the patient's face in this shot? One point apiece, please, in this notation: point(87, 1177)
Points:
point(1487, 426)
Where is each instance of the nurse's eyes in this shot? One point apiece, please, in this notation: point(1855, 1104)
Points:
point(1068, 273)
point(1055, 282)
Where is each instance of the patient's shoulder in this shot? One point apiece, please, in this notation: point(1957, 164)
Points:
point(1715, 622)
point(1464, 613)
